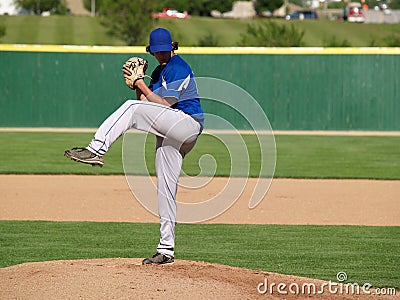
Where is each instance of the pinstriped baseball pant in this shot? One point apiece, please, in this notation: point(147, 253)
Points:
point(176, 134)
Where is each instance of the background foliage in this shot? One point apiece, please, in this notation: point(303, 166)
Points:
point(128, 20)
point(196, 31)
point(198, 7)
point(55, 6)
point(268, 5)
point(2, 30)
point(394, 4)
point(129, 23)
point(272, 34)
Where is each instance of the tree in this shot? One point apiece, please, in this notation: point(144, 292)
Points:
point(271, 34)
point(39, 6)
point(265, 5)
point(129, 20)
point(88, 5)
point(204, 7)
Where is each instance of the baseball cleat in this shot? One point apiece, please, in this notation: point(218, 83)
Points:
point(158, 259)
point(83, 155)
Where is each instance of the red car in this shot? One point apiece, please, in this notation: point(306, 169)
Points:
point(353, 13)
point(171, 13)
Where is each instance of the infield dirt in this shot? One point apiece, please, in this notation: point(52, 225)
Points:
point(288, 201)
point(108, 198)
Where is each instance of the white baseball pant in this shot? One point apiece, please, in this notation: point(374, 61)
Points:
point(176, 134)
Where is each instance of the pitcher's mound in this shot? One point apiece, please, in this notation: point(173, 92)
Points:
point(123, 278)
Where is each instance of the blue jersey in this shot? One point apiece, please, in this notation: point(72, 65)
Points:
point(176, 79)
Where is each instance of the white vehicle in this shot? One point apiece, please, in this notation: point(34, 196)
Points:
point(385, 9)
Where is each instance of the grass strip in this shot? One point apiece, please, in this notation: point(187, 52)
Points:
point(366, 254)
point(190, 32)
point(57, 30)
point(373, 157)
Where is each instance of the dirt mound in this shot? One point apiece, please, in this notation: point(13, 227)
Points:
point(123, 278)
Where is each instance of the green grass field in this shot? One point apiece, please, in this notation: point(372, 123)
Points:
point(366, 254)
point(88, 31)
point(57, 30)
point(374, 157)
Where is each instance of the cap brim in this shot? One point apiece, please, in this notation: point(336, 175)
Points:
point(159, 48)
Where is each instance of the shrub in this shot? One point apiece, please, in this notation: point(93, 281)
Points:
point(2, 30)
point(392, 40)
point(209, 40)
point(333, 41)
point(271, 34)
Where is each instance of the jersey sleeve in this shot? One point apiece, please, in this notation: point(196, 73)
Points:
point(155, 77)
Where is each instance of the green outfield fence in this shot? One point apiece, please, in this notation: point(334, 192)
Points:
point(298, 88)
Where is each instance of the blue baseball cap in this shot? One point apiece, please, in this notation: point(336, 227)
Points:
point(160, 40)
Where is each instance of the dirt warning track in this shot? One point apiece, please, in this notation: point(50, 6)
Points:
point(288, 201)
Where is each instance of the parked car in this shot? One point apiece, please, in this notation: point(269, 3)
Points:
point(265, 14)
point(302, 14)
point(384, 8)
point(171, 13)
point(353, 13)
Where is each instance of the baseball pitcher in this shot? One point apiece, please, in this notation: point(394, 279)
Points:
point(168, 108)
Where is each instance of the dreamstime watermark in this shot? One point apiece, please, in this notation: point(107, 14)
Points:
point(330, 287)
point(239, 109)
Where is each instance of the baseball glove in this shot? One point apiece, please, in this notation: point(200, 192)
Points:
point(134, 69)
